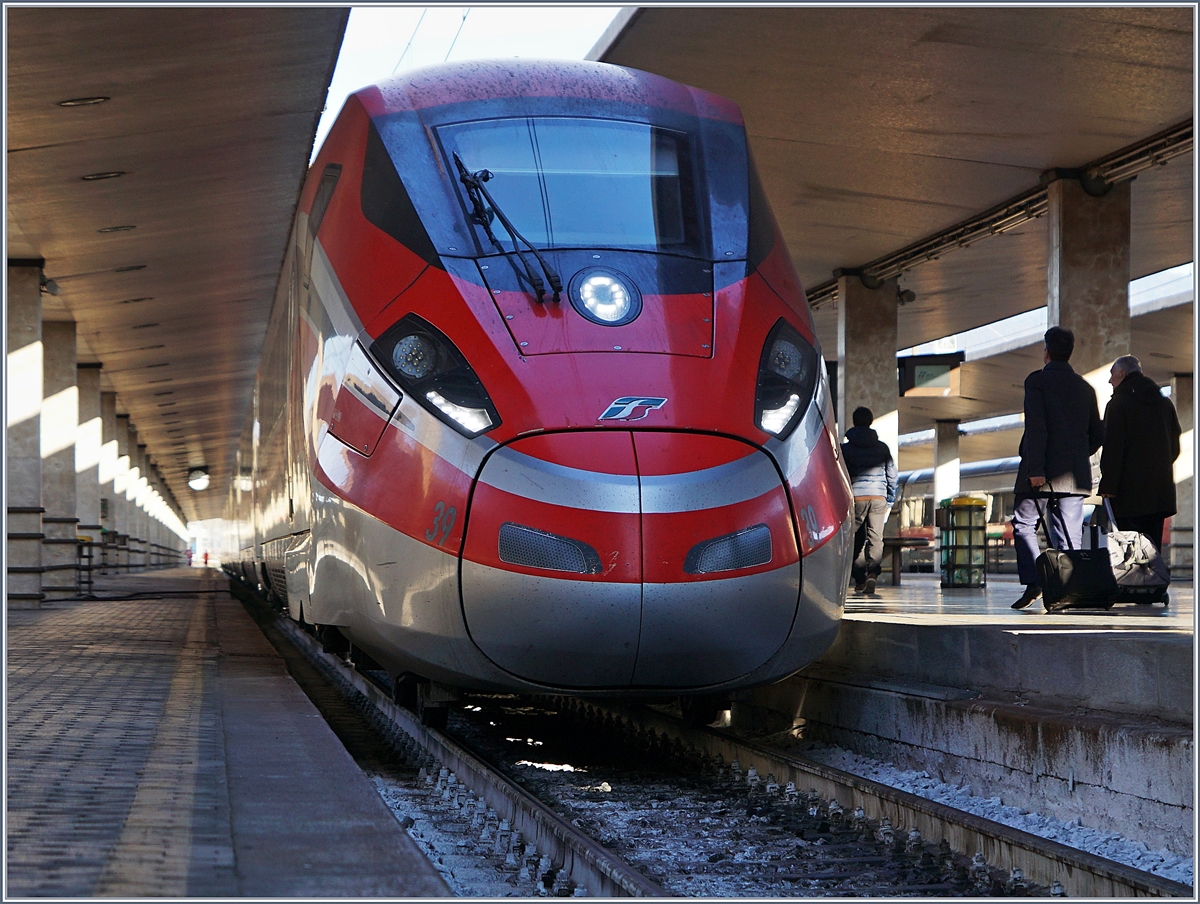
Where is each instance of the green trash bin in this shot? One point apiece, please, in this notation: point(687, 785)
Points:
point(963, 553)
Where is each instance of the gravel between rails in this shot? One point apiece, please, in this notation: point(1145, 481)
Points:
point(705, 829)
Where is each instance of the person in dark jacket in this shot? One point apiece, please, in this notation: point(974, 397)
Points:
point(1141, 443)
point(873, 481)
point(1062, 431)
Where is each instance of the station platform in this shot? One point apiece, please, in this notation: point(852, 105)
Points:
point(1132, 658)
point(1086, 714)
point(157, 747)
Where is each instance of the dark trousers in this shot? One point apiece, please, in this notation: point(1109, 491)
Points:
point(1064, 524)
point(1151, 526)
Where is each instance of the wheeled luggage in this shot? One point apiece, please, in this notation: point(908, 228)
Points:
point(1140, 572)
point(1075, 578)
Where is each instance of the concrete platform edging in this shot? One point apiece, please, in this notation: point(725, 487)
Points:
point(1106, 772)
point(1135, 672)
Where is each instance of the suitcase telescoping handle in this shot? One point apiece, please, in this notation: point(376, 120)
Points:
point(1112, 519)
point(1051, 497)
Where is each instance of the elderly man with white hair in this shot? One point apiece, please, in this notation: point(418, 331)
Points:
point(1141, 443)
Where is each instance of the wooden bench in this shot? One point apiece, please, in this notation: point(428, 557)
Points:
point(896, 545)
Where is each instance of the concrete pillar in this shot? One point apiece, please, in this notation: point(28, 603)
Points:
point(133, 494)
point(1184, 521)
point(108, 473)
point(122, 508)
point(156, 526)
point(89, 441)
point(867, 356)
point(23, 477)
point(946, 464)
point(142, 499)
point(1087, 276)
point(59, 425)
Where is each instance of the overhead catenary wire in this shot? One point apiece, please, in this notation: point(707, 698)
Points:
point(411, 38)
point(457, 33)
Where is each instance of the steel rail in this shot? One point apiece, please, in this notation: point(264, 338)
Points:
point(1043, 861)
point(1157, 150)
point(587, 862)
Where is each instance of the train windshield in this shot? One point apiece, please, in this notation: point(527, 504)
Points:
point(569, 183)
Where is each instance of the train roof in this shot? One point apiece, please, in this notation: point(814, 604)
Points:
point(476, 80)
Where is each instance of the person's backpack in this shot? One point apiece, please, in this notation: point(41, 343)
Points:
point(1140, 572)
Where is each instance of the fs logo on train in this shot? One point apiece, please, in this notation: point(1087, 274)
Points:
point(623, 409)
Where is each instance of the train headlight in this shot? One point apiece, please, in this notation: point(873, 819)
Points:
point(605, 296)
point(427, 364)
point(787, 378)
point(414, 356)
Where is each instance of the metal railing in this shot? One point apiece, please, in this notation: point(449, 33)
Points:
point(120, 554)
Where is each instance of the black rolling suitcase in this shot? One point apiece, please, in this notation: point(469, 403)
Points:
point(1075, 578)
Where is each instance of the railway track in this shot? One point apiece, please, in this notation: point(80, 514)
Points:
point(684, 792)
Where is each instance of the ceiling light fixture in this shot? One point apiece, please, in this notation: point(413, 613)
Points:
point(198, 479)
point(168, 392)
point(96, 177)
point(129, 269)
point(116, 228)
point(164, 364)
point(143, 326)
point(136, 300)
point(83, 101)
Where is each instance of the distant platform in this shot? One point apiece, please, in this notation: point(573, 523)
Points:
point(157, 747)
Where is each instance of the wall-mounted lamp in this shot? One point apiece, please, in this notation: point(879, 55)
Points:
point(198, 479)
point(48, 286)
point(905, 296)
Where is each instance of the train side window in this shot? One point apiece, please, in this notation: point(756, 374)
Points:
point(329, 181)
point(386, 202)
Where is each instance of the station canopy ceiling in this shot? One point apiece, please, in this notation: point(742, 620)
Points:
point(873, 128)
point(876, 128)
point(210, 118)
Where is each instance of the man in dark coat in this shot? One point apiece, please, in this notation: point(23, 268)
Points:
point(1141, 443)
point(1062, 431)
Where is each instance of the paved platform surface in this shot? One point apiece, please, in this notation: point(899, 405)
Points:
point(157, 747)
point(921, 598)
point(1131, 658)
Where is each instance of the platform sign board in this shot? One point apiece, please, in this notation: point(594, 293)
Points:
point(930, 375)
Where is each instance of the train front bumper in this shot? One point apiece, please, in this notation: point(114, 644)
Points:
point(635, 560)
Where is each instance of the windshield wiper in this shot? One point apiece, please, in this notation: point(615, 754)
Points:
point(477, 192)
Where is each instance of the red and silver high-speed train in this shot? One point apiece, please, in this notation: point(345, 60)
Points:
point(541, 406)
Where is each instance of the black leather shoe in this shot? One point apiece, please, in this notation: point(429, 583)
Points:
point(1032, 592)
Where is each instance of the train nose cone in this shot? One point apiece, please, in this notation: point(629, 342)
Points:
point(721, 568)
point(618, 559)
